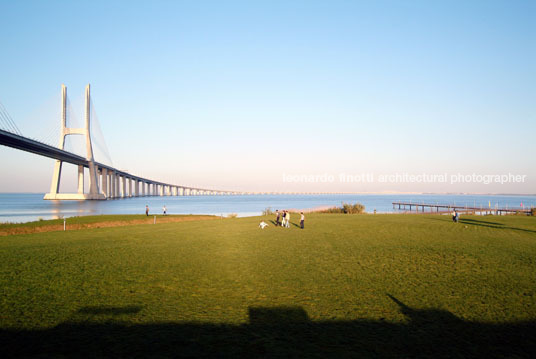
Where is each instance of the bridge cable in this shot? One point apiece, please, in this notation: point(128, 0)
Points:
point(52, 133)
point(98, 138)
point(8, 121)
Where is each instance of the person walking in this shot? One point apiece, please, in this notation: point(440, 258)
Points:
point(284, 218)
point(146, 210)
point(277, 217)
point(302, 220)
point(288, 219)
point(164, 210)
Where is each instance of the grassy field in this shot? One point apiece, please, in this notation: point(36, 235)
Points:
point(74, 223)
point(346, 286)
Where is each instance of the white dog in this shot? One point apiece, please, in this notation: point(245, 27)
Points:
point(263, 224)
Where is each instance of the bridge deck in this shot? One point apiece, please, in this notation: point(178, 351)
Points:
point(26, 144)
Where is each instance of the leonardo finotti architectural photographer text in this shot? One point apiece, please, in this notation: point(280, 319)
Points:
point(405, 178)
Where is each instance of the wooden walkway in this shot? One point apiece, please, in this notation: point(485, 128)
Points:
point(447, 208)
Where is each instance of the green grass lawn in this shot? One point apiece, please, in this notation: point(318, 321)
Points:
point(347, 285)
point(89, 220)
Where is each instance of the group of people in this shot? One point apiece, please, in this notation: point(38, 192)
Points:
point(283, 219)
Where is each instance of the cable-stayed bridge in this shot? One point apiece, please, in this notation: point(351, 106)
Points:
point(105, 181)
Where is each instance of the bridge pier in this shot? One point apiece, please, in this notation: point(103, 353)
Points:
point(123, 180)
point(113, 186)
point(118, 185)
point(111, 190)
point(110, 181)
point(80, 179)
point(104, 184)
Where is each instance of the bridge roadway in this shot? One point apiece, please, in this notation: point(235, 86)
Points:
point(114, 182)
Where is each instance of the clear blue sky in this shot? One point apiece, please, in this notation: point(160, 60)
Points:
point(235, 94)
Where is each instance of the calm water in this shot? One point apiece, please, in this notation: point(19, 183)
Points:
point(24, 207)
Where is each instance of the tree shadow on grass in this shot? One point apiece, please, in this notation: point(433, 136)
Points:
point(278, 332)
point(448, 218)
point(481, 223)
point(475, 222)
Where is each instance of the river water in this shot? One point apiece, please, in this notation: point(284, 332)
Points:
point(25, 207)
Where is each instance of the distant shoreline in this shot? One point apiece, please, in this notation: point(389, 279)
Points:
point(350, 193)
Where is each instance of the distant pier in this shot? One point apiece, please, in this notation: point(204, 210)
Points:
point(447, 208)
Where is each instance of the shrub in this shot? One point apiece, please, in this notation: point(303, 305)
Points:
point(357, 208)
point(533, 211)
point(347, 208)
point(332, 210)
point(232, 215)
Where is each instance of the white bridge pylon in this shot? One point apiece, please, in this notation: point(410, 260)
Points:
point(113, 183)
point(94, 192)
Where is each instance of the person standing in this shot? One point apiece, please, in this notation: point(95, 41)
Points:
point(288, 220)
point(146, 210)
point(164, 210)
point(302, 220)
point(277, 217)
point(284, 218)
